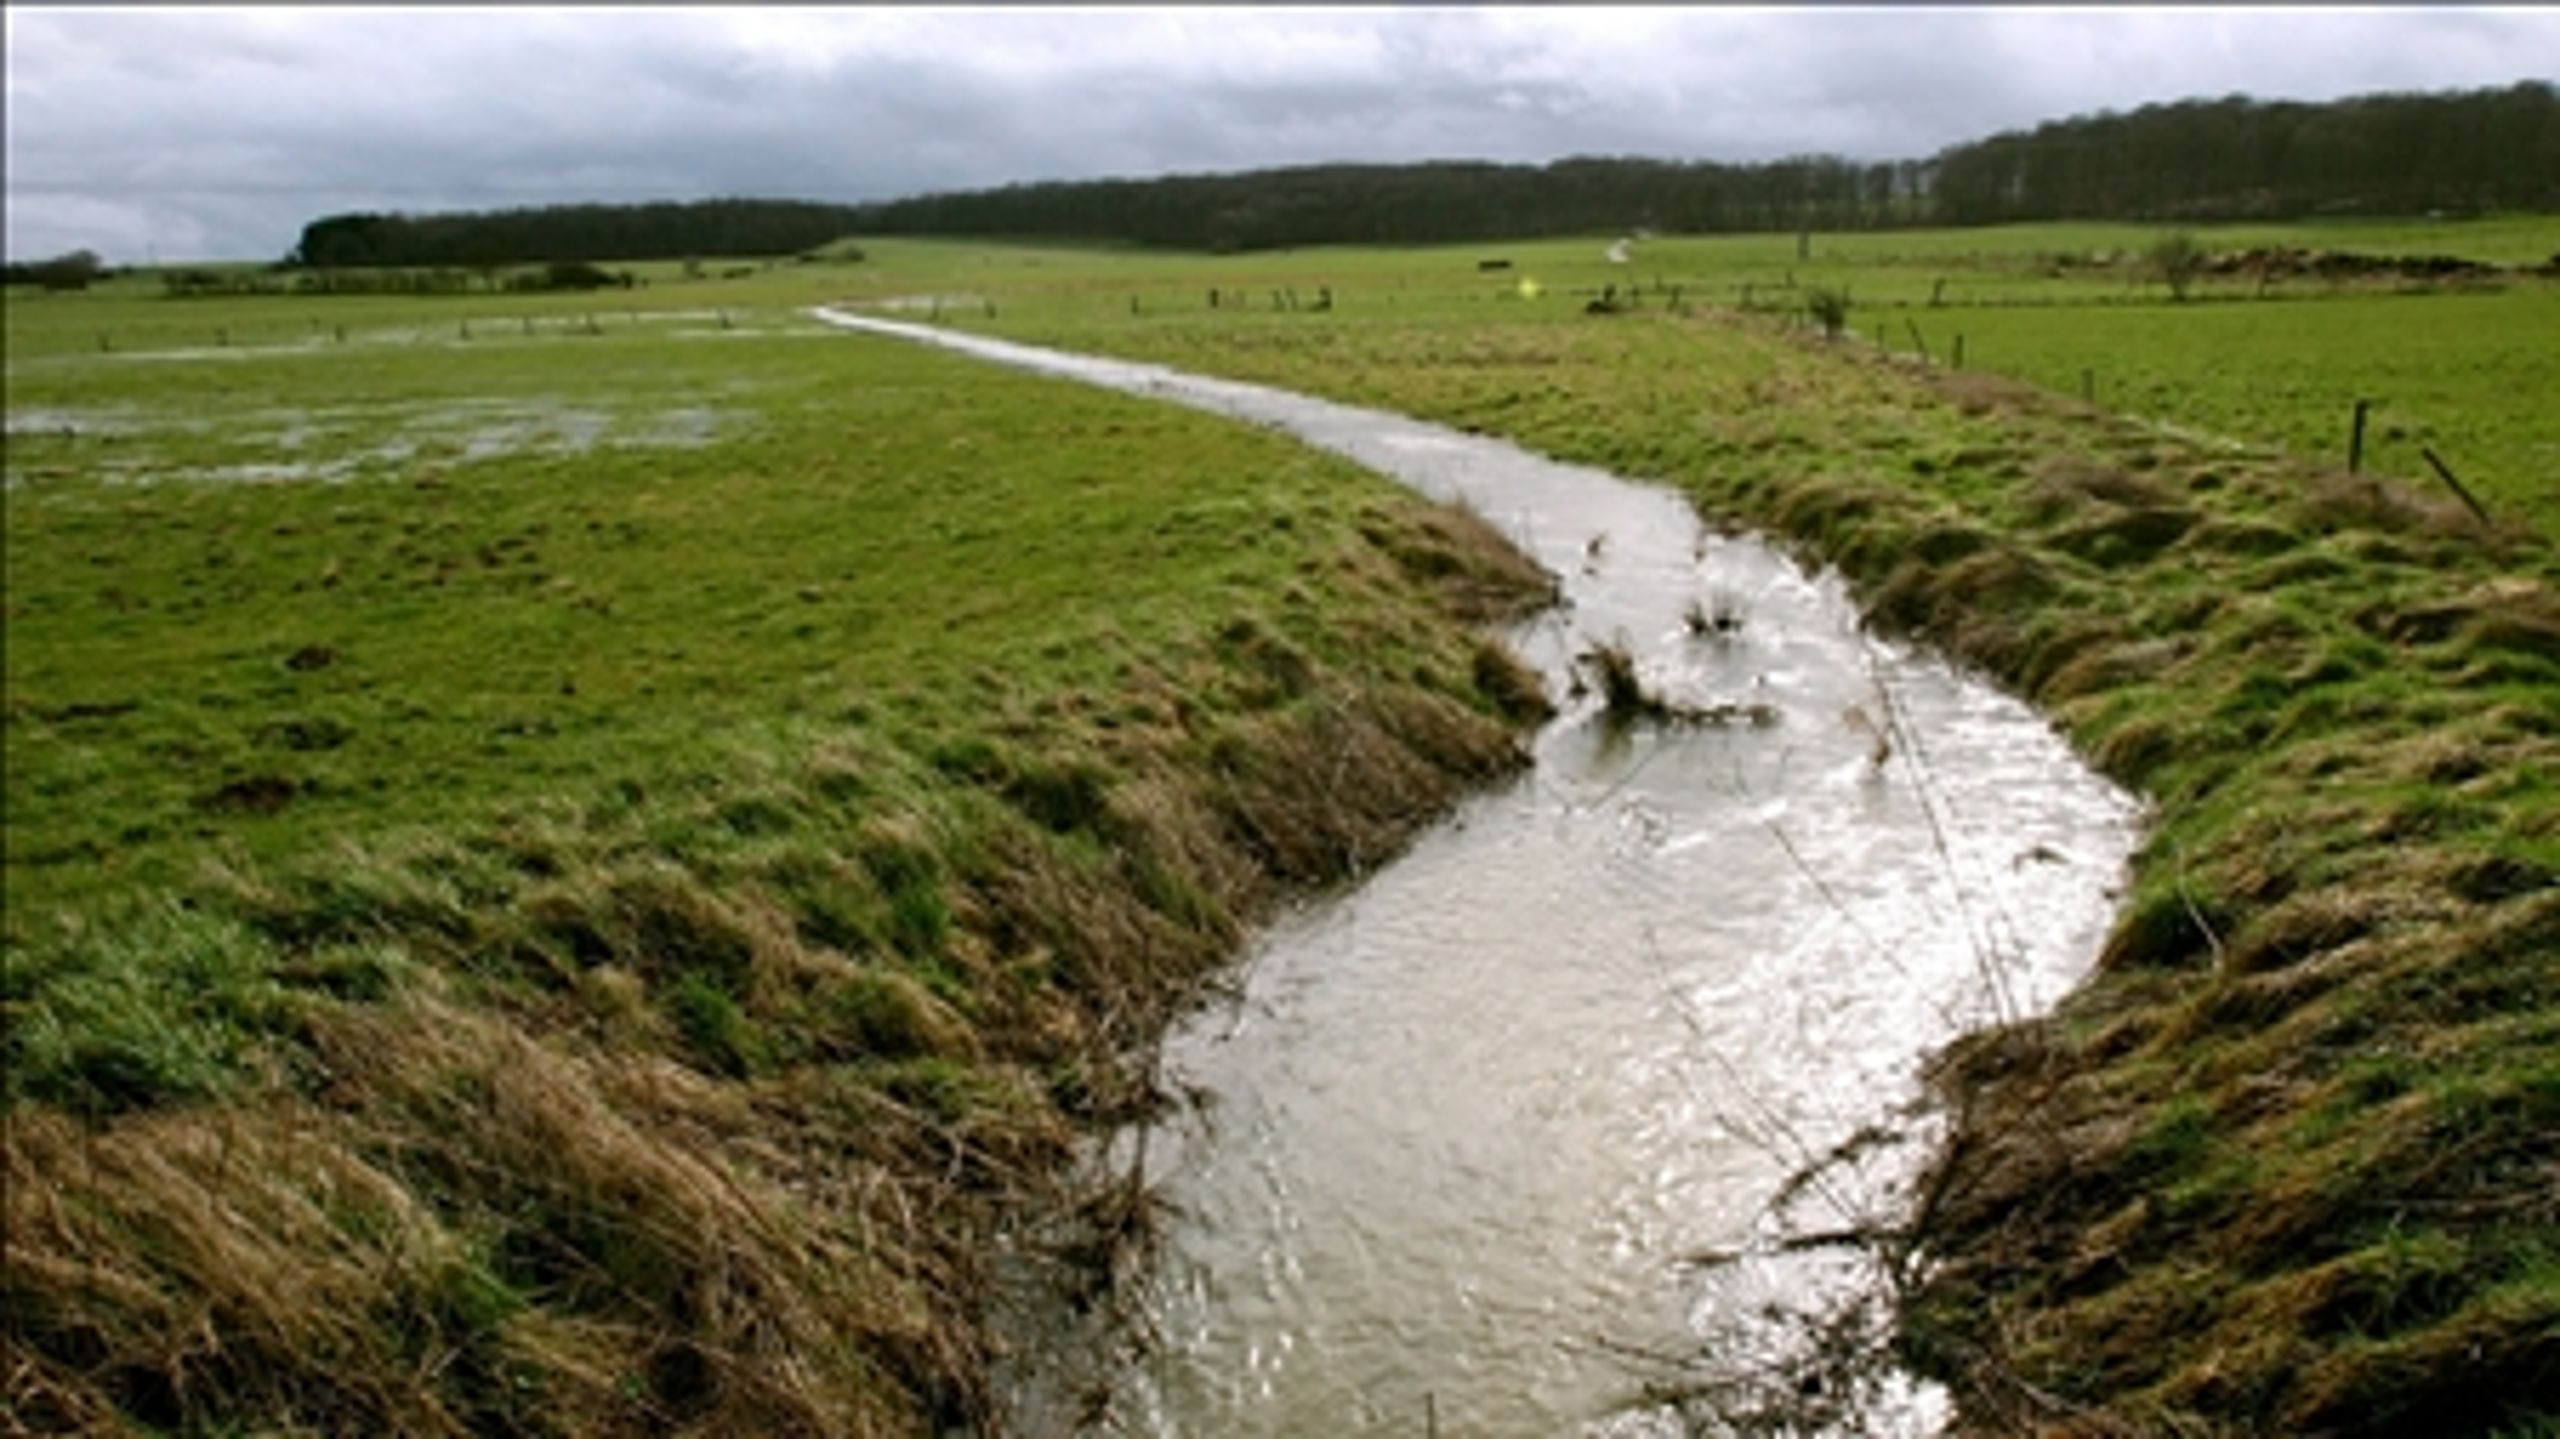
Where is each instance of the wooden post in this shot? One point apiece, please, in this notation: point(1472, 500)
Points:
point(2450, 483)
point(1916, 342)
point(1958, 362)
point(221, 337)
point(2089, 387)
point(1937, 292)
point(2355, 439)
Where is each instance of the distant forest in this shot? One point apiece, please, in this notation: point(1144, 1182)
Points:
point(2193, 161)
point(571, 233)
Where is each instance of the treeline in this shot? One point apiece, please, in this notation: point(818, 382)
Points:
point(1421, 204)
point(388, 280)
point(488, 240)
point(2196, 160)
point(2243, 159)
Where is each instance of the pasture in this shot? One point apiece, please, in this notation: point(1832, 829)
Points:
point(621, 836)
point(517, 831)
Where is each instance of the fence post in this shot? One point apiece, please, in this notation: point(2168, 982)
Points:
point(2355, 439)
point(2459, 493)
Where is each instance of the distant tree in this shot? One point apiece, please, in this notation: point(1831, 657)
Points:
point(73, 271)
point(334, 241)
point(2175, 259)
point(578, 275)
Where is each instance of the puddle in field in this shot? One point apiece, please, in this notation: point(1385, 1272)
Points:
point(284, 445)
point(170, 344)
point(1511, 1138)
point(931, 304)
point(71, 424)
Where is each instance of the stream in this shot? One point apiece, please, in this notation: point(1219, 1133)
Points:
point(1568, 1121)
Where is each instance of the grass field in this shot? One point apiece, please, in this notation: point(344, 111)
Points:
point(2461, 369)
point(570, 877)
point(570, 858)
point(2458, 367)
point(407, 589)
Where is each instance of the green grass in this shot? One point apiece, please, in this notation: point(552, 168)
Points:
point(839, 527)
point(2459, 369)
point(581, 871)
point(2447, 372)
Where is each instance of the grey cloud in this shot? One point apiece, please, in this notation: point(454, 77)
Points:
point(218, 133)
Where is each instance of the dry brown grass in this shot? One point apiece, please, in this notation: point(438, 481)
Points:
point(470, 1227)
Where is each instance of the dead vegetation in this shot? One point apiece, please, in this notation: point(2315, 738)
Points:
point(1626, 697)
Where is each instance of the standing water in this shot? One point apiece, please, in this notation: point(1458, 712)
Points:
point(1572, 1119)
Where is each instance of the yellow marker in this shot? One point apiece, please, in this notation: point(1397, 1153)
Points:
point(1529, 289)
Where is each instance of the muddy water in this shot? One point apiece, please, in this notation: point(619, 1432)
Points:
point(1515, 1137)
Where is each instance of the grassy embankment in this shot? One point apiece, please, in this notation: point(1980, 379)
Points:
point(2290, 1161)
point(566, 881)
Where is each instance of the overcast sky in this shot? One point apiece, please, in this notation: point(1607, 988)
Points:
point(205, 133)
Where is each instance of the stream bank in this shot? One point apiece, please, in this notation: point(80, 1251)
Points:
point(2282, 1164)
point(1545, 1122)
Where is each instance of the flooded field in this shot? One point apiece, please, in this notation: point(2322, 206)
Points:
point(139, 445)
